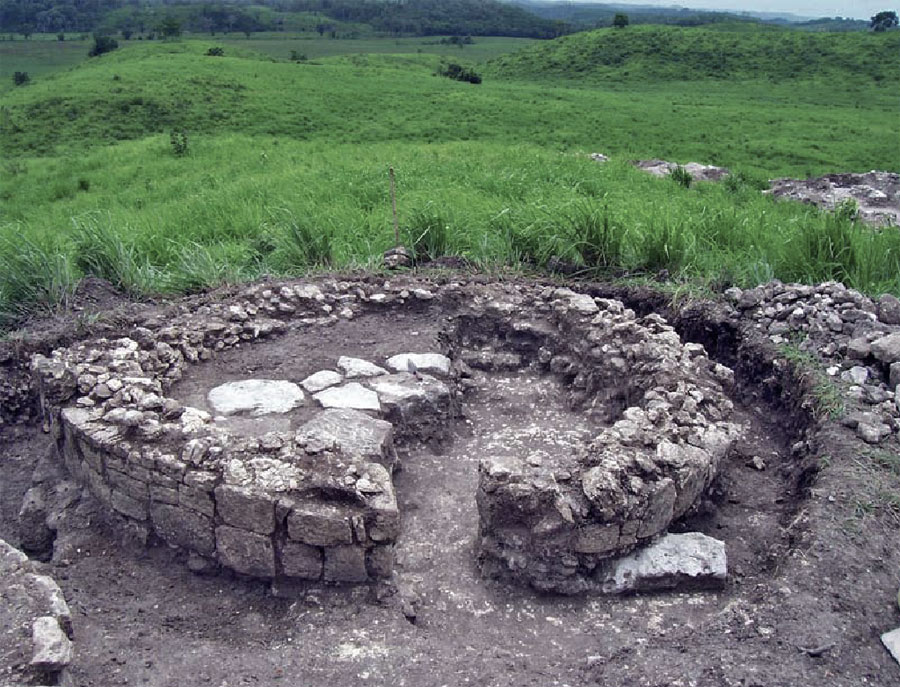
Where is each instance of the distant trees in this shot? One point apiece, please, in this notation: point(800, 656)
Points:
point(170, 27)
point(883, 21)
point(620, 21)
point(459, 73)
point(21, 78)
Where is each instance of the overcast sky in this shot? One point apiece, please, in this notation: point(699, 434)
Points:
point(858, 9)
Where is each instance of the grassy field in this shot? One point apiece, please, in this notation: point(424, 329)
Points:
point(284, 169)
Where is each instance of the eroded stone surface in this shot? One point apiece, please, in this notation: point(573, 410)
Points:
point(351, 432)
point(321, 380)
point(256, 397)
point(425, 363)
point(699, 172)
point(357, 367)
point(353, 395)
point(682, 561)
point(875, 194)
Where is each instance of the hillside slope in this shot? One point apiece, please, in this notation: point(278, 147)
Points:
point(665, 53)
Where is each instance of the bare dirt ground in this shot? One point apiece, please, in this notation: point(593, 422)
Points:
point(813, 541)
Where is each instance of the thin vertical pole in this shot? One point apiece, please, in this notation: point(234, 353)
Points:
point(394, 207)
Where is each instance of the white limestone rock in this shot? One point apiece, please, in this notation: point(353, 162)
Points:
point(426, 363)
point(321, 380)
point(256, 397)
point(357, 367)
point(52, 649)
point(690, 560)
point(891, 641)
point(352, 395)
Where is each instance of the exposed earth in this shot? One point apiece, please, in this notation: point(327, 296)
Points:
point(807, 503)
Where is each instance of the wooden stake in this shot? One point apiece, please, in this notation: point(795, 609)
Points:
point(394, 207)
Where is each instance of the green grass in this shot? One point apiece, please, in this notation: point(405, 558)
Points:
point(286, 170)
point(238, 207)
point(39, 58)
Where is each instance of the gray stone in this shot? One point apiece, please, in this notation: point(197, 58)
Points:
point(246, 508)
point(255, 397)
point(891, 641)
point(380, 561)
point(427, 363)
point(352, 395)
point(690, 560)
point(321, 380)
point(354, 433)
point(183, 527)
point(872, 433)
point(887, 348)
point(357, 367)
point(34, 534)
point(859, 348)
point(245, 552)
point(888, 309)
point(411, 395)
point(345, 564)
point(301, 560)
point(894, 375)
point(52, 650)
point(319, 524)
point(856, 375)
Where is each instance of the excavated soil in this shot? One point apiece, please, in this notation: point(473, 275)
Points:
point(813, 548)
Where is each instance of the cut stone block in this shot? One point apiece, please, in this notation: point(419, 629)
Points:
point(345, 564)
point(357, 367)
point(255, 397)
point(52, 649)
point(891, 641)
point(353, 395)
point(245, 552)
point(245, 508)
point(319, 524)
point(354, 433)
point(321, 380)
point(426, 363)
point(411, 395)
point(301, 560)
point(690, 560)
point(183, 527)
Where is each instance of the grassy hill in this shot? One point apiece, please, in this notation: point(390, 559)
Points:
point(667, 54)
point(283, 169)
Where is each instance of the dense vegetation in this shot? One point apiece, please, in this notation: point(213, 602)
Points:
point(669, 54)
point(348, 18)
point(164, 166)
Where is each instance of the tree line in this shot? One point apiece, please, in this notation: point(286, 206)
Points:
point(395, 17)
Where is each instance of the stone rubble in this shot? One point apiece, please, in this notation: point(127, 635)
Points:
point(875, 194)
point(699, 172)
point(36, 642)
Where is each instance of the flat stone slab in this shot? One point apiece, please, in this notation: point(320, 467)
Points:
point(891, 641)
point(408, 392)
point(321, 380)
point(357, 367)
point(255, 397)
point(353, 395)
point(351, 431)
point(675, 561)
point(428, 363)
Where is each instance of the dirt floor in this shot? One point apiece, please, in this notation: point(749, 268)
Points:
point(813, 541)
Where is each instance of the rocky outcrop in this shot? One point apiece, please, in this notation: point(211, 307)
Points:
point(698, 172)
point(876, 195)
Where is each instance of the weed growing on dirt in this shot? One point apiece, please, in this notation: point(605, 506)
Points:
point(827, 398)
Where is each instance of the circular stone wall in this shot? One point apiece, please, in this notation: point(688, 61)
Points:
point(301, 486)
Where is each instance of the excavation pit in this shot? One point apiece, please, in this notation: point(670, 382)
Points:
point(261, 434)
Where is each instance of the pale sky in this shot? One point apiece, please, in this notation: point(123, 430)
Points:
point(857, 9)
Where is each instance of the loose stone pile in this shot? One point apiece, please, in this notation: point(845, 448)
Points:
point(856, 339)
point(36, 634)
point(318, 502)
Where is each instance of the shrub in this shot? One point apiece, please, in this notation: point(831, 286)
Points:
point(60, 37)
point(103, 44)
point(298, 56)
point(459, 73)
point(179, 141)
point(682, 177)
point(21, 78)
point(215, 52)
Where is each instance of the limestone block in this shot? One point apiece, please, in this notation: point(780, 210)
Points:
point(345, 564)
point(245, 552)
point(891, 641)
point(425, 363)
point(380, 561)
point(352, 395)
point(887, 348)
point(52, 650)
point(357, 367)
point(301, 560)
point(183, 527)
point(255, 397)
point(597, 538)
point(128, 506)
point(246, 508)
point(321, 380)
point(354, 433)
point(412, 397)
point(320, 524)
point(690, 560)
